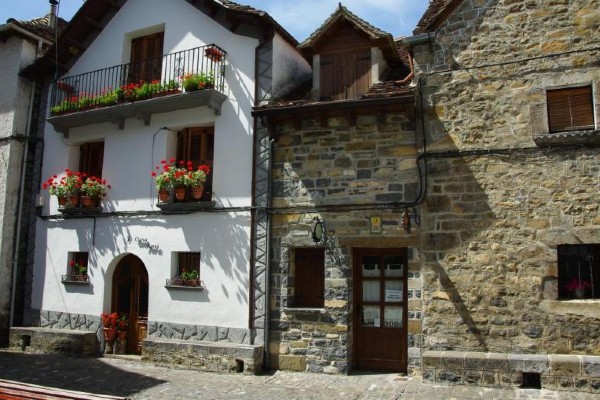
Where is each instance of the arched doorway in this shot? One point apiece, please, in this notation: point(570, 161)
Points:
point(130, 296)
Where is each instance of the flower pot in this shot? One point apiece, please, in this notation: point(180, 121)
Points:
point(191, 282)
point(197, 192)
point(180, 193)
point(80, 278)
point(110, 334)
point(74, 200)
point(109, 347)
point(121, 346)
point(163, 195)
point(62, 201)
point(88, 201)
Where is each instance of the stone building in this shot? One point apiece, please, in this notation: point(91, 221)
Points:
point(345, 163)
point(509, 240)
point(459, 213)
point(21, 42)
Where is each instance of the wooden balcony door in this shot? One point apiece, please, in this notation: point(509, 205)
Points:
point(130, 296)
point(146, 58)
point(380, 300)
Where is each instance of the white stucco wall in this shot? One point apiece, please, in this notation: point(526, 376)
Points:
point(129, 157)
point(289, 67)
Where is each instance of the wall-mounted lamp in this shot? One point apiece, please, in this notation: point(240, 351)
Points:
point(406, 220)
point(317, 230)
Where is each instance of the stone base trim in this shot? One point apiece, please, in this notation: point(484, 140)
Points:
point(203, 356)
point(168, 330)
point(557, 371)
point(47, 340)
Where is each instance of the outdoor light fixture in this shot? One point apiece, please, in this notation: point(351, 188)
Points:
point(406, 220)
point(317, 230)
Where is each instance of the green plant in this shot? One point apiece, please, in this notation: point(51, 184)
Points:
point(122, 322)
point(94, 187)
point(69, 185)
point(198, 81)
point(109, 97)
point(196, 177)
point(170, 85)
point(189, 275)
point(78, 268)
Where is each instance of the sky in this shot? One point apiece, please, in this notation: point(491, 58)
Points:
point(298, 17)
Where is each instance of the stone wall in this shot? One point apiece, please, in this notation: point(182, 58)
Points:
point(503, 193)
point(319, 164)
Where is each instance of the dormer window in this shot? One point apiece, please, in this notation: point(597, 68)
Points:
point(345, 75)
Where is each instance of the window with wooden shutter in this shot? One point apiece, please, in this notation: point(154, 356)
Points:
point(146, 58)
point(188, 262)
point(91, 157)
point(570, 109)
point(197, 145)
point(345, 75)
point(309, 277)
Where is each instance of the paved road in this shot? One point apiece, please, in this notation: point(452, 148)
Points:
point(132, 379)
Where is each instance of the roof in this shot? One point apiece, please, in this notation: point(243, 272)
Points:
point(38, 26)
point(435, 15)
point(94, 16)
point(343, 13)
point(382, 39)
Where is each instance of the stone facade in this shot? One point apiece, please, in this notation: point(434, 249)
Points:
point(503, 192)
point(48, 341)
point(369, 167)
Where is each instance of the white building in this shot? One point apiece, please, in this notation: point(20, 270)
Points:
point(133, 247)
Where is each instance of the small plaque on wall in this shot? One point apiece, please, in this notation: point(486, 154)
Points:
point(376, 226)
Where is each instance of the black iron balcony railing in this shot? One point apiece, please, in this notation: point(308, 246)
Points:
point(196, 69)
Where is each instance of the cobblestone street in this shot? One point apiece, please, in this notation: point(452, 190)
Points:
point(132, 379)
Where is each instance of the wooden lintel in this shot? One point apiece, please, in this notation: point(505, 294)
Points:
point(351, 117)
point(323, 120)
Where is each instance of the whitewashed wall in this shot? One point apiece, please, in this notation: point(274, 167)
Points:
point(129, 157)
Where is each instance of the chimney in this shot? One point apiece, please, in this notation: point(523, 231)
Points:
point(52, 15)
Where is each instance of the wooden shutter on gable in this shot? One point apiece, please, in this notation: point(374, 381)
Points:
point(570, 109)
point(146, 58)
point(309, 277)
point(91, 157)
point(345, 75)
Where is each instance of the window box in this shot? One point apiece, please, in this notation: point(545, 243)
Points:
point(76, 279)
point(182, 208)
point(80, 211)
point(178, 283)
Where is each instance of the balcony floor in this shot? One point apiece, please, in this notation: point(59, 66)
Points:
point(142, 109)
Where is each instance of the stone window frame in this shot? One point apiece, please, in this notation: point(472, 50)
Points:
point(291, 278)
point(538, 111)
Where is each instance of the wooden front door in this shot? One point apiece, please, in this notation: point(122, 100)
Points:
point(130, 296)
point(380, 299)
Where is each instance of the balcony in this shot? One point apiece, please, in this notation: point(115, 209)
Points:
point(176, 81)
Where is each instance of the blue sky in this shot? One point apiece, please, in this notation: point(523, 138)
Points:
point(299, 17)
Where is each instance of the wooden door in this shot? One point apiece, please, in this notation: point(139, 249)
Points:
point(130, 296)
point(380, 299)
point(146, 58)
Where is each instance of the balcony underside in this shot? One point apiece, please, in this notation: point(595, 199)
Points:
point(140, 109)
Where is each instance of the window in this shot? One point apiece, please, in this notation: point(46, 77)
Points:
point(345, 75)
point(570, 109)
point(197, 145)
point(309, 277)
point(77, 270)
point(146, 58)
point(91, 156)
point(579, 271)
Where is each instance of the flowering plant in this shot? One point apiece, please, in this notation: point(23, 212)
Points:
point(196, 177)
point(576, 284)
point(110, 320)
point(214, 53)
point(197, 81)
point(94, 187)
point(68, 185)
point(78, 268)
point(122, 322)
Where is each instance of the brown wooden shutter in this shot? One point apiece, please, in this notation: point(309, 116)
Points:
point(345, 75)
point(189, 261)
point(570, 109)
point(309, 277)
point(146, 58)
point(91, 157)
point(327, 79)
point(197, 145)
